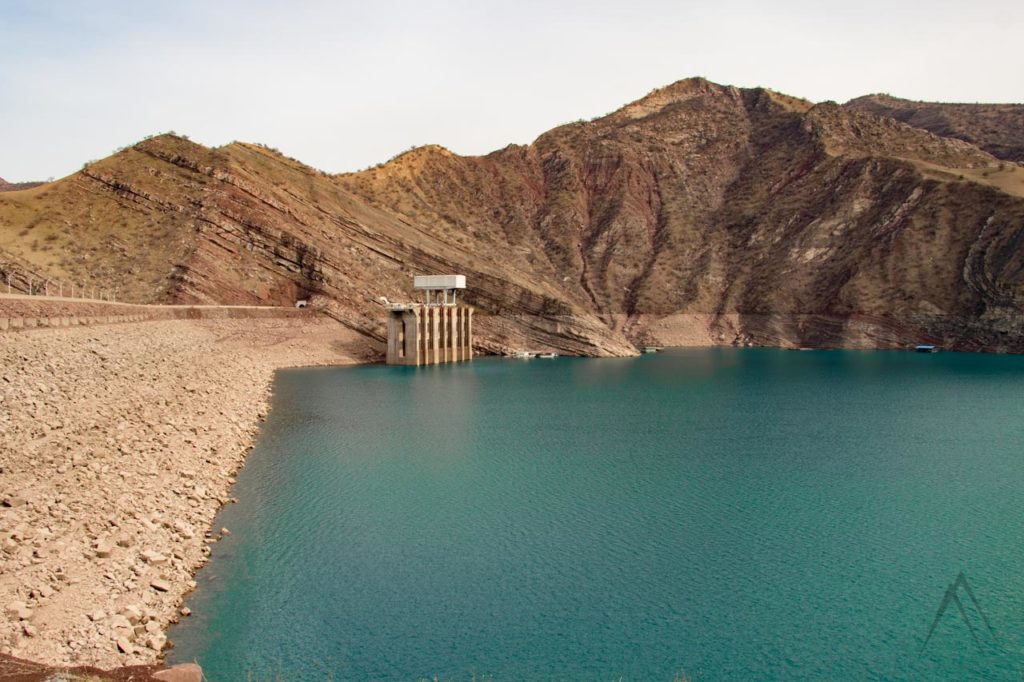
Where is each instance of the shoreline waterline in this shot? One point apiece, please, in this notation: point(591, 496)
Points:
point(120, 446)
point(398, 545)
point(61, 605)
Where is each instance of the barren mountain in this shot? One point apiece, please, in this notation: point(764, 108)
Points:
point(699, 214)
point(996, 128)
point(14, 186)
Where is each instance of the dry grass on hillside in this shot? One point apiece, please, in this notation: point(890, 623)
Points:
point(75, 230)
point(1008, 177)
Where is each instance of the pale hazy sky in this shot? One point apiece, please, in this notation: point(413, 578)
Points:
point(343, 85)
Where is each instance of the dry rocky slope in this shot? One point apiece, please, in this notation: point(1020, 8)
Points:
point(700, 214)
point(118, 444)
point(996, 128)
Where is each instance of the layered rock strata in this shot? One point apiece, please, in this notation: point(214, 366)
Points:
point(700, 212)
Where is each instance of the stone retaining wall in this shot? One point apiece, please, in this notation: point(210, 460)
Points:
point(17, 315)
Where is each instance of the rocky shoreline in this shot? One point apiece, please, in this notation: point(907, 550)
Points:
point(118, 445)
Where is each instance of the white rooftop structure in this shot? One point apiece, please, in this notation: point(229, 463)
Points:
point(443, 283)
point(438, 282)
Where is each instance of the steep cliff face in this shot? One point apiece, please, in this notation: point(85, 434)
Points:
point(995, 128)
point(698, 214)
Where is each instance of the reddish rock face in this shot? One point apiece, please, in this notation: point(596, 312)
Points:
point(700, 214)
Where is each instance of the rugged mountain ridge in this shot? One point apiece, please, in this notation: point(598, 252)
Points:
point(168, 220)
point(698, 214)
point(995, 128)
point(709, 214)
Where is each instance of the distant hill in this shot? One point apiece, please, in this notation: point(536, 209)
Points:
point(15, 186)
point(996, 128)
point(698, 214)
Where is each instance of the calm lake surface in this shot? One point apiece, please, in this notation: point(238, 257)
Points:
point(720, 513)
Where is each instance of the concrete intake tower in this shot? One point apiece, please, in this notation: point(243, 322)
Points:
point(436, 331)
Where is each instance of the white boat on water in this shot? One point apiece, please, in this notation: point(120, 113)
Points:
point(529, 354)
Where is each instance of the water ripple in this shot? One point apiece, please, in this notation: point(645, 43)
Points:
point(720, 513)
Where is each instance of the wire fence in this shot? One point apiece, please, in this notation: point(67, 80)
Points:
point(16, 281)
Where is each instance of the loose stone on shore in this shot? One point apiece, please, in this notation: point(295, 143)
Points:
point(120, 445)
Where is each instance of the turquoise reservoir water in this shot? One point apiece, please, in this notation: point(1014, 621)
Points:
point(723, 514)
